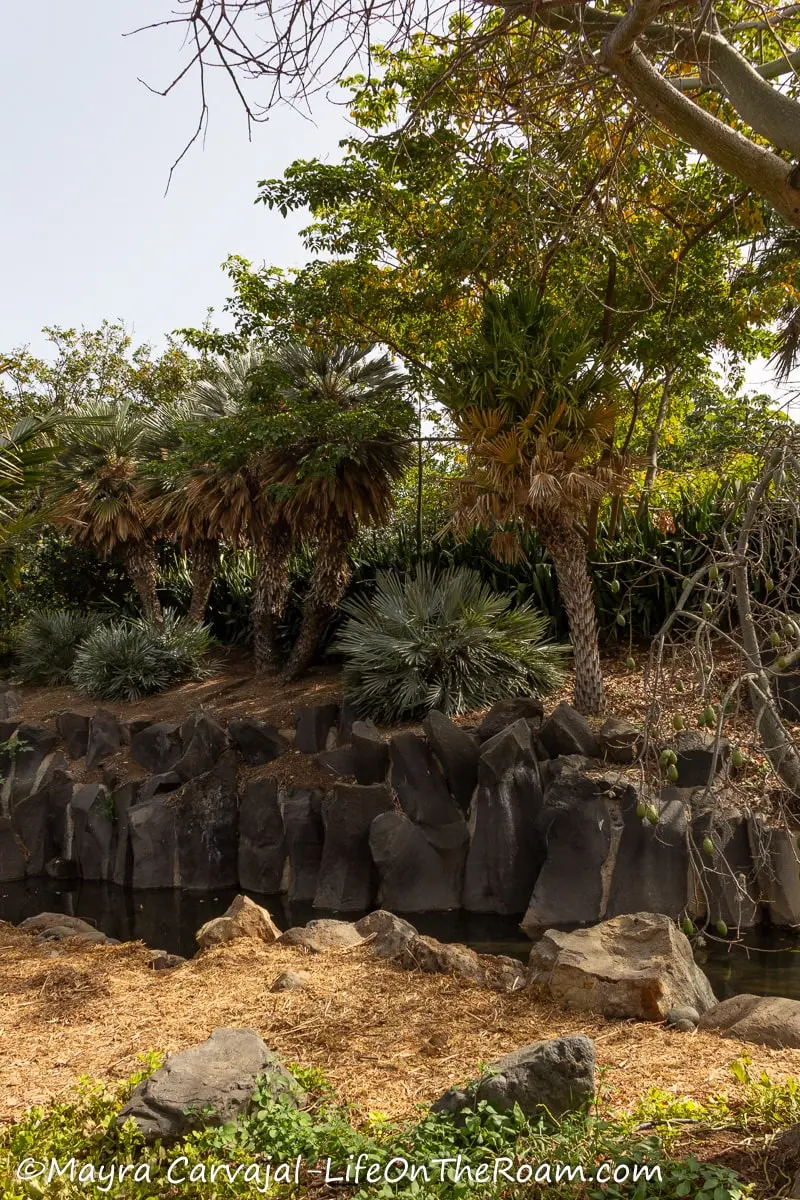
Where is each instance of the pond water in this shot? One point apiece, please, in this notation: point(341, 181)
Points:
point(767, 962)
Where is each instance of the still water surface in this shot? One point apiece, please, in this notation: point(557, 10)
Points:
point(767, 964)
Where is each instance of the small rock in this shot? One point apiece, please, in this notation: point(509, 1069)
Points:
point(105, 738)
point(63, 868)
point(457, 752)
point(10, 703)
point(315, 727)
point(62, 923)
point(291, 981)
point(506, 712)
point(764, 1020)
point(242, 919)
point(338, 762)
point(620, 741)
point(695, 754)
point(162, 961)
point(322, 935)
point(439, 958)
point(256, 741)
point(566, 731)
point(390, 932)
point(73, 729)
point(684, 1013)
point(157, 747)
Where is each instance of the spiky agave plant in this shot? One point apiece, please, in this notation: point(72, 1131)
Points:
point(46, 643)
point(445, 640)
point(126, 660)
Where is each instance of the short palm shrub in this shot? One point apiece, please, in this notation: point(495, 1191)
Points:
point(442, 640)
point(126, 660)
point(47, 641)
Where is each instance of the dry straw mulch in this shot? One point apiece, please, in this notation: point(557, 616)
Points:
point(387, 1039)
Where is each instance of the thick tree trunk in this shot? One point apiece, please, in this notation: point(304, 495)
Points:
point(652, 445)
point(568, 552)
point(270, 594)
point(140, 563)
point(204, 559)
point(328, 583)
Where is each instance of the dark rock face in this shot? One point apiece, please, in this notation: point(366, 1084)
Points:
point(457, 752)
point(776, 855)
point(570, 883)
point(302, 821)
point(507, 712)
point(347, 877)
point(157, 747)
point(93, 818)
point(207, 828)
point(419, 783)
point(695, 753)
point(26, 766)
point(347, 718)
point(256, 741)
point(553, 1078)
point(787, 694)
point(10, 703)
point(620, 741)
point(12, 857)
point(370, 753)
point(314, 726)
point(124, 798)
point(218, 1077)
point(105, 738)
point(565, 731)
point(507, 850)
point(389, 932)
point(151, 827)
point(262, 845)
point(203, 741)
point(729, 883)
point(159, 785)
point(411, 871)
point(39, 822)
point(73, 729)
point(652, 870)
point(341, 762)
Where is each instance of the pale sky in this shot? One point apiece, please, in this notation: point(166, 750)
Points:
point(85, 229)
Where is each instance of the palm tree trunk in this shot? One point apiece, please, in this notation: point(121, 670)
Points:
point(568, 552)
point(270, 593)
point(204, 558)
point(329, 580)
point(140, 563)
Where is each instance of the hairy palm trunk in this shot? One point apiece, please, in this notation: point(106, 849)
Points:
point(270, 593)
point(140, 563)
point(204, 559)
point(329, 580)
point(568, 552)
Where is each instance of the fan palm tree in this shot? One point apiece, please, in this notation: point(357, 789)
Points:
point(535, 407)
point(226, 500)
point(25, 452)
point(100, 494)
point(338, 474)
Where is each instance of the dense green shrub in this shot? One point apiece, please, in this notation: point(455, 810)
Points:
point(127, 659)
point(47, 641)
point(441, 639)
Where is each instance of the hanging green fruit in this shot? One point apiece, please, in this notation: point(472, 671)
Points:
point(707, 609)
point(708, 847)
point(614, 585)
point(738, 758)
point(722, 928)
point(677, 722)
point(678, 685)
point(630, 663)
point(641, 810)
point(672, 773)
point(713, 572)
point(769, 583)
point(664, 759)
point(775, 638)
point(620, 619)
point(652, 815)
point(709, 716)
point(688, 927)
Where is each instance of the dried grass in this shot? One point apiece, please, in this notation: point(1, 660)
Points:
point(387, 1039)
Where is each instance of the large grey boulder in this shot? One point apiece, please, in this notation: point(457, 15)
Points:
point(242, 919)
point(566, 731)
point(370, 753)
point(209, 1084)
point(620, 741)
point(105, 738)
point(315, 728)
point(637, 965)
point(547, 1078)
point(427, 954)
point(262, 844)
point(457, 752)
point(322, 936)
point(305, 834)
point(10, 703)
point(256, 741)
point(73, 729)
point(506, 850)
point(507, 712)
point(766, 1020)
point(411, 872)
point(694, 749)
point(157, 747)
point(570, 887)
point(652, 869)
point(388, 932)
point(347, 876)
